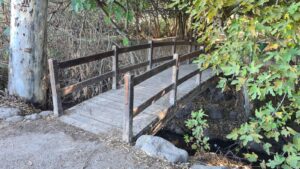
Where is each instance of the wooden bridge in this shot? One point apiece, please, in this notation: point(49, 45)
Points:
point(144, 103)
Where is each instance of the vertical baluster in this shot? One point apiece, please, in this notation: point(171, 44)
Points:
point(55, 87)
point(150, 55)
point(115, 67)
point(175, 71)
point(128, 116)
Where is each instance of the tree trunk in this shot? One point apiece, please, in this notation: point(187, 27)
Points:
point(28, 60)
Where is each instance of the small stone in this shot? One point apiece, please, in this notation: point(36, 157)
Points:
point(160, 148)
point(6, 112)
point(198, 166)
point(29, 163)
point(45, 114)
point(15, 119)
point(33, 117)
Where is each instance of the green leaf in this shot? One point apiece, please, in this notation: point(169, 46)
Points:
point(251, 157)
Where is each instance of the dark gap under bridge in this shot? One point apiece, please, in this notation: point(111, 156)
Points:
point(145, 103)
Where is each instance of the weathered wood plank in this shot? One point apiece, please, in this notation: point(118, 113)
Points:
point(55, 87)
point(162, 59)
point(137, 80)
point(175, 73)
point(134, 48)
point(152, 100)
point(86, 59)
point(190, 56)
point(115, 67)
point(78, 86)
point(128, 115)
point(136, 66)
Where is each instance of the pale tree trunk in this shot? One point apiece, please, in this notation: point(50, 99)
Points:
point(28, 60)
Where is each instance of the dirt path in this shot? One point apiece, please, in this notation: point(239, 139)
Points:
point(49, 144)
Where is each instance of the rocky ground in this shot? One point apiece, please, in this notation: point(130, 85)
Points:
point(49, 144)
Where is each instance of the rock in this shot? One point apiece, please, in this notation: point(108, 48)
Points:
point(15, 119)
point(6, 112)
point(198, 166)
point(158, 147)
point(215, 111)
point(45, 114)
point(33, 117)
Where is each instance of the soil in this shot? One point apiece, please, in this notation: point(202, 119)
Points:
point(51, 144)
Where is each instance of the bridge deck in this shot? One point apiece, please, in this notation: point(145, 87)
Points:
point(103, 114)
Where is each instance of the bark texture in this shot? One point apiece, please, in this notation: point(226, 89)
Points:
point(28, 60)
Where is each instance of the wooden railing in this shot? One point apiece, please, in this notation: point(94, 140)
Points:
point(54, 66)
point(131, 81)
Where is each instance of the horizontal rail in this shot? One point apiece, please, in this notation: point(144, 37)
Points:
point(137, 80)
point(190, 56)
point(133, 48)
point(75, 87)
point(162, 59)
point(187, 77)
point(153, 99)
point(86, 59)
point(136, 66)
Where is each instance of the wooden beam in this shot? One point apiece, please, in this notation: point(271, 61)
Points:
point(190, 56)
point(132, 67)
point(187, 77)
point(115, 67)
point(152, 100)
point(162, 59)
point(150, 55)
point(87, 59)
point(175, 72)
point(134, 48)
point(128, 115)
point(55, 87)
point(75, 87)
point(137, 80)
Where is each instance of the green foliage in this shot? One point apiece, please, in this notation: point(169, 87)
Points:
point(255, 44)
point(79, 5)
point(197, 124)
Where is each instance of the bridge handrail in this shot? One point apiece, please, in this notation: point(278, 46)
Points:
point(131, 81)
point(55, 65)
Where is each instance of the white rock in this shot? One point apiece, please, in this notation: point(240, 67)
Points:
point(198, 166)
point(33, 117)
point(6, 112)
point(45, 114)
point(15, 119)
point(158, 147)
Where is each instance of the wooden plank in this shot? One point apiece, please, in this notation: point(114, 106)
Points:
point(150, 55)
point(152, 100)
point(190, 56)
point(161, 44)
point(86, 59)
point(115, 67)
point(75, 87)
point(136, 66)
point(128, 116)
point(134, 48)
point(187, 77)
point(137, 80)
point(175, 73)
point(55, 87)
point(162, 59)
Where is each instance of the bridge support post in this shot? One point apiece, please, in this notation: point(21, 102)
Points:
point(175, 71)
point(115, 67)
point(128, 116)
point(150, 55)
point(55, 87)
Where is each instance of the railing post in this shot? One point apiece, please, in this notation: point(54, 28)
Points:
point(150, 55)
point(175, 71)
point(199, 76)
point(190, 51)
point(128, 116)
point(115, 67)
point(174, 46)
point(55, 87)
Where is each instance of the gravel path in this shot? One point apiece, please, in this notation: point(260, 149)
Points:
point(50, 144)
